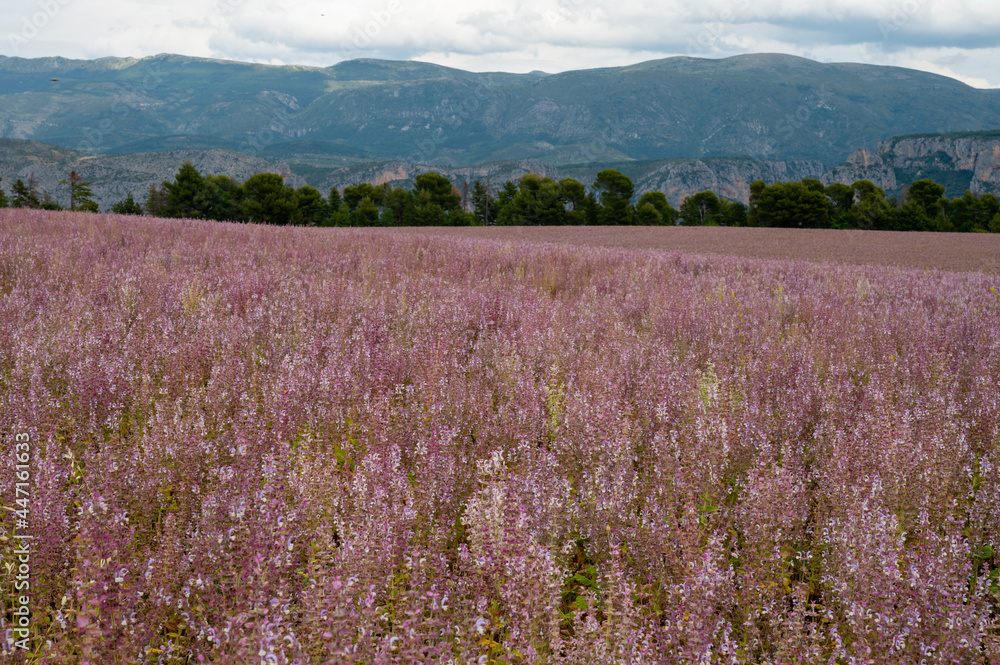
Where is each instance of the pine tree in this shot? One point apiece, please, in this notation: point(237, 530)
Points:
point(267, 200)
point(616, 190)
point(25, 196)
point(156, 200)
point(484, 204)
point(127, 207)
point(184, 193)
point(80, 196)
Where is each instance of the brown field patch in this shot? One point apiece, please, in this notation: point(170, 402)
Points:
point(955, 252)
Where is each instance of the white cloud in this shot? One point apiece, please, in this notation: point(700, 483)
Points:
point(959, 38)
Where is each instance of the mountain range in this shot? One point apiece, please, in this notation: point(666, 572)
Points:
point(766, 106)
point(678, 125)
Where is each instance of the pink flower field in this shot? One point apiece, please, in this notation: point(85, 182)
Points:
point(287, 445)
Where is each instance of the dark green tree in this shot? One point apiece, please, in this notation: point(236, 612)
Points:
point(841, 199)
point(574, 194)
point(25, 196)
point(267, 200)
point(398, 206)
point(365, 204)
point(615, 190)
point(311, 206)
point(425, 212)
point(3, 198)
point(220, 198)
point(366, 213)
point(734, 213)
point(923, 207)
point(516, 208)
point(355, 194)
point(756, 191)
point(439, 189)
point(339, 216)
point(701, 209)
point(156, 201)
point(185, 195)
point(461, 217)
point(127, 206)
point(646, 214)
point(334, 199)
point(927, 194)
point(80, 195)
point(789, 204)
point(436, 202)
point(484, 204)
point(989, 207)
point(971, 212)
point(658, 200)
point(814, 185)
point(592, 209)
point(550, 206)
point(538, 202)
point(505, 196)
point(908, 217)
point(871, 210)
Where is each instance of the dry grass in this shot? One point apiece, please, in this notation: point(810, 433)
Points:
point(956, 252)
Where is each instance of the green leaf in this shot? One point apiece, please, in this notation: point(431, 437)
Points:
point(581, 602)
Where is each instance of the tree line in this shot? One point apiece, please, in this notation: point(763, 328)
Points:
point(862, 205)
point(81, 198)
point(434, 200)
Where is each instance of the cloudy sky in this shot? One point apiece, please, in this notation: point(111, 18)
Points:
point(958, 38)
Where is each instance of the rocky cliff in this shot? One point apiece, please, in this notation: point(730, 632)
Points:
point(957, 161)
point(976, 155)
point(863, 165)
point(727, 177)
point(966, 161)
